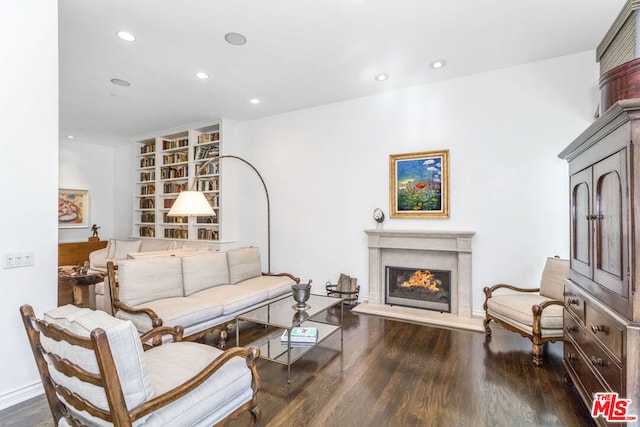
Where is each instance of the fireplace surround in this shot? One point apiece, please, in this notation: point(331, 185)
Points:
point(422, 249)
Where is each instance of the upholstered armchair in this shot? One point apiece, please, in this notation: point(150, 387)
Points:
point(96, 371)
point(535, 313)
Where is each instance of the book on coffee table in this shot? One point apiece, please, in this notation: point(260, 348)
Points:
point(300, 335)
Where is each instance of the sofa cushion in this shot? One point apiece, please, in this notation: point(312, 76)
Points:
point(175, 311)
point(204, 270)
point(143, 280)
point(273, 285)
point(162, 254)
point(519, 307)
point(217, 396)
point(126, 349)
point(118, 249)
point(232, 298)
point(244, 263)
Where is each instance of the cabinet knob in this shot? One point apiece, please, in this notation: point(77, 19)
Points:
point(598, 361)
point(571, 357)
point(573, 301)
point(572, 328)
point(598, 328)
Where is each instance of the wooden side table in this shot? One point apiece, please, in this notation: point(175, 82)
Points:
point(68, 275)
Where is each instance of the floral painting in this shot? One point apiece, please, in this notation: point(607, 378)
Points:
point(419, 185)
point(73, 208)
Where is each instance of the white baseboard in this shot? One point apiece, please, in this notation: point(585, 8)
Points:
point(20, 395)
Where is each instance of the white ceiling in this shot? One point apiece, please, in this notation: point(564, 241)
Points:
point(300, 53)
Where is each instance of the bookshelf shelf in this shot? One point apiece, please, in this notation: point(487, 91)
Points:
point(165, 165)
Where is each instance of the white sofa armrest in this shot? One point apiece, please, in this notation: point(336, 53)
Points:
point(98, 260)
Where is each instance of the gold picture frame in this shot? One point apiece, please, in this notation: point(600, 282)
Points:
point(419, 184)
point(73, 208)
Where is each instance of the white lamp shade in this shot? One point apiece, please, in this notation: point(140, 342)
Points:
point(191, 203)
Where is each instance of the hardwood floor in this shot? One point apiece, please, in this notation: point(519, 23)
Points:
point(399, 374)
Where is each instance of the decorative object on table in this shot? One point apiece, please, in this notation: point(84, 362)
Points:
point(300, 335)
point(346, 288)
point(301, 293)
point(419, 185)
point(194, 202)
point(94, 233)
point(73, 208)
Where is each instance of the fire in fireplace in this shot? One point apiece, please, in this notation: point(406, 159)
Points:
point(418, 287)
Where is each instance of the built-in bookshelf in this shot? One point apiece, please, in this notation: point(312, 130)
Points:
point(169, 164)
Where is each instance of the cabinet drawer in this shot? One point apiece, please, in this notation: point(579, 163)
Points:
point(581, 371)
point(575, 330)
point(609, 332)
point(606, 367)
point(574, 303)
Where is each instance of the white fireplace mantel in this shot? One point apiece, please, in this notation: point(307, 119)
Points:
point(450, 250)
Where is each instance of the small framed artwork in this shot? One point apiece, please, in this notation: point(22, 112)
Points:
point(419, 185)
point(73, 208)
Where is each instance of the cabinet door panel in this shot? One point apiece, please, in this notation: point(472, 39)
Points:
point(610, 264)
point(581, 234)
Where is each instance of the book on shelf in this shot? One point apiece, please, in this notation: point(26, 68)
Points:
point(301, 335)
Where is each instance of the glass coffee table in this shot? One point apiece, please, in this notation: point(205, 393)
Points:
point(281, 314)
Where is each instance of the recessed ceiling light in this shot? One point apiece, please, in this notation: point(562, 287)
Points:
point(438, 64)
point(70, 137)
point(382, 77)
point(127, 36)
point(236, 39)
point(120, 82)
point(202, 75)
point(254, 101)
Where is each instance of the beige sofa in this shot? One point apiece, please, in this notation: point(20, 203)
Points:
point(199, 291)
point(119, 250)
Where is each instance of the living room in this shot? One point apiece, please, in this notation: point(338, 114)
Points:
point(326, 167)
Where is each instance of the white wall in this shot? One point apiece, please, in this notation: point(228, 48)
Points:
point(327, 169)
point(29, 111)
point(88, 167)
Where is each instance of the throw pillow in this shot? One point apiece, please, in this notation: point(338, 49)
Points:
point(204, 270)
point(244, 263)
point(150, 279)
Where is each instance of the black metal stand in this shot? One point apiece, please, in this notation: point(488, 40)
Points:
point(350, 298)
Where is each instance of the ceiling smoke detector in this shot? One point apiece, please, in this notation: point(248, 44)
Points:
point(235, 39)
point(120, 82)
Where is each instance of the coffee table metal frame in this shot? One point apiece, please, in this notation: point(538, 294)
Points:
point(281, 314)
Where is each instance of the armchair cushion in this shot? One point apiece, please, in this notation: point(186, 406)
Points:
point(125, 345)
point(204, 270)
point(164, 273)
point(244, 263)
point(227, 388)
point(519, 308)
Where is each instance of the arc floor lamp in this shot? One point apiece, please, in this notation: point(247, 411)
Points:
point(193, 202)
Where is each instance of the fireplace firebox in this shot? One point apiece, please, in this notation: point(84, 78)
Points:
point(418, 287)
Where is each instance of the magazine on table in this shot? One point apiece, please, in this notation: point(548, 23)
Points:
point(301, 335)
